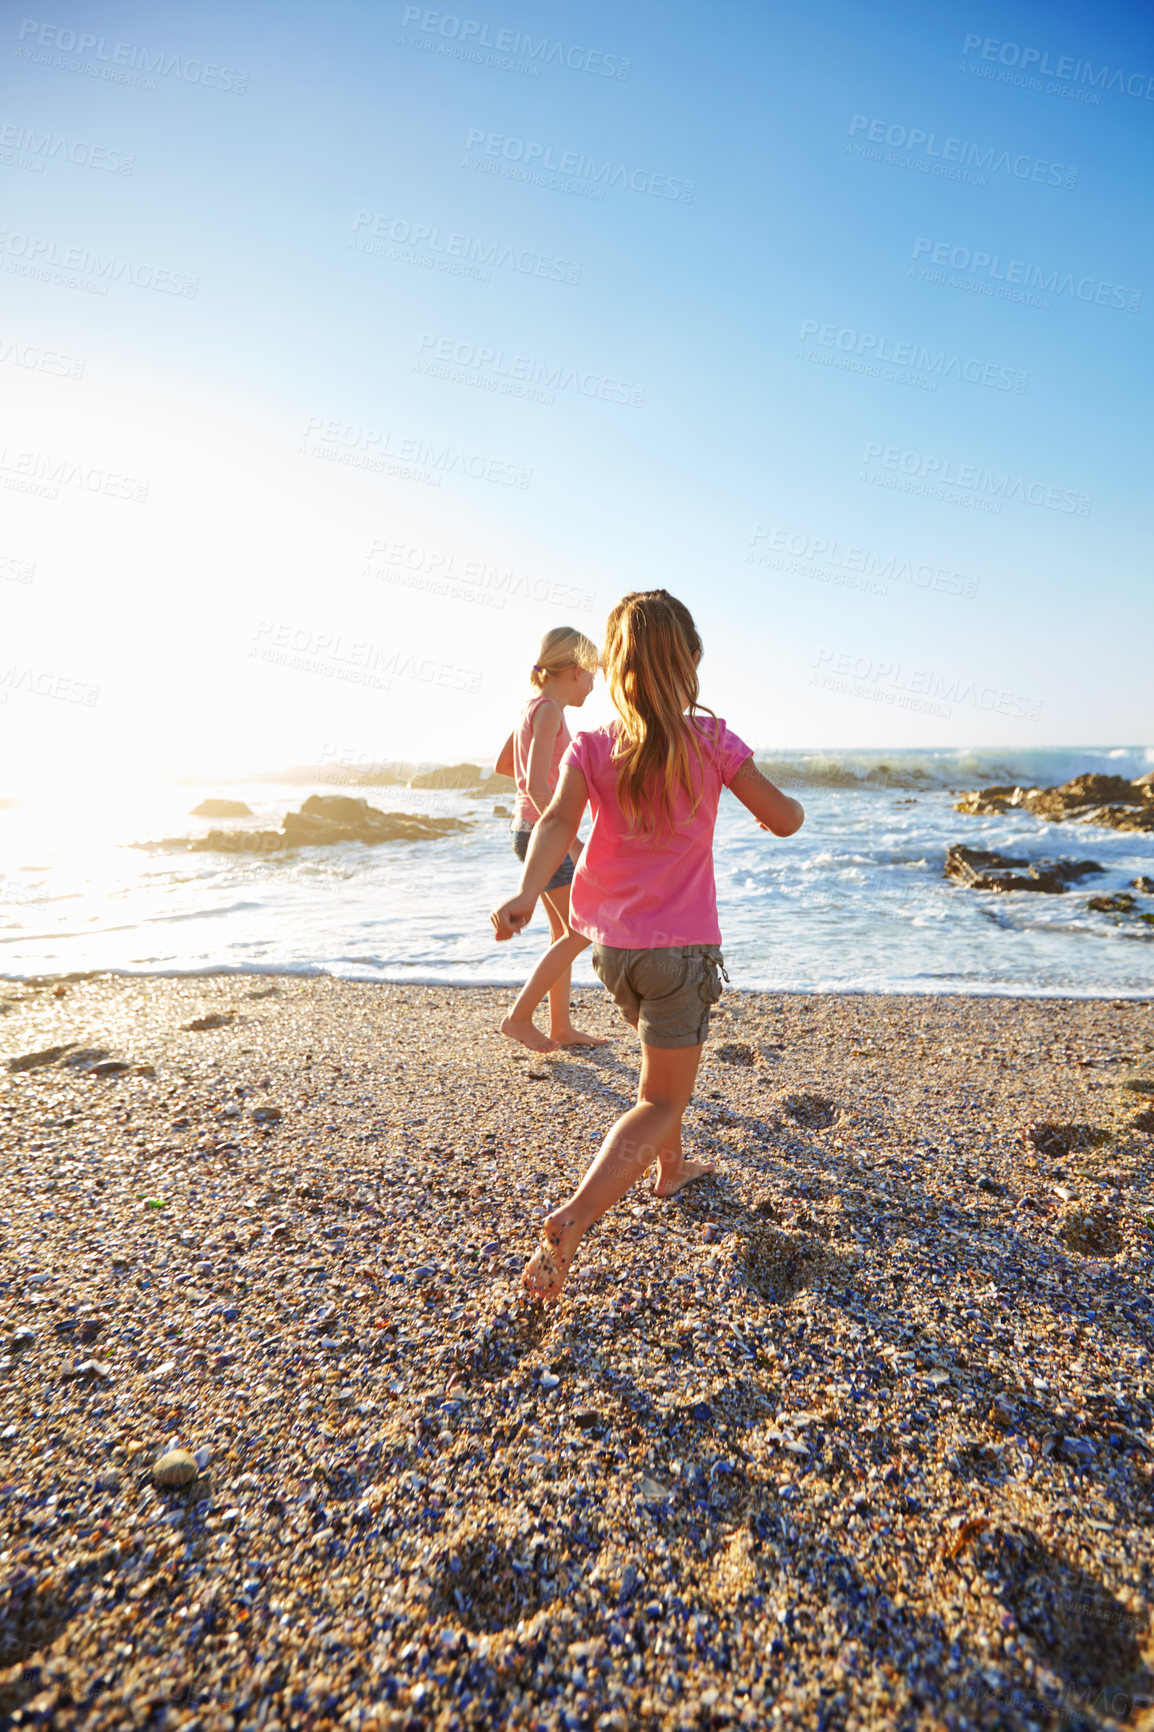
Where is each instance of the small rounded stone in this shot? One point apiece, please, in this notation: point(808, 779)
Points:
point(174, 1467)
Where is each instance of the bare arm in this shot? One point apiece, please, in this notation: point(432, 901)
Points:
point(504, 765)
point(553, 836)
point(774, 811)
point(546, 726)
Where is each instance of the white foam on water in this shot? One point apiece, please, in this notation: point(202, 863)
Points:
point(856, 902)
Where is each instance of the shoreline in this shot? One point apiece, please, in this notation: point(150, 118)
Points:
point(863, 1427)
point(516, 981)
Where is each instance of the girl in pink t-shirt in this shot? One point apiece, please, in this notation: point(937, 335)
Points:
point(563, 674)
point(643, 891)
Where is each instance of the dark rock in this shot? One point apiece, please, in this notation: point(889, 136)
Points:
point(991, 1185)
point(1143, 1122)
point(1122, 903)
point(232, 842)
point(312, 829)
point(34, 1060)
point(984, 869)
point(323, 820)
point(338, 808)
point(86, 1056)
point(267, 1115)
point(221, 809)
point(1095, 789)
point(1143, 885)
point(1111, 801)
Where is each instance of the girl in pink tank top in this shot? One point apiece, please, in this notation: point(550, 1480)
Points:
point(644, 892)
point(563, 674)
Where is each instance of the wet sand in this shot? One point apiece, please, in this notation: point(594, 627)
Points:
point(858, 1433)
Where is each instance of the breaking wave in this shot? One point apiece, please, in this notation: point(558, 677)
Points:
point(952, 767)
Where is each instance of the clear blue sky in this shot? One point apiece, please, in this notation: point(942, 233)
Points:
point(829, 526)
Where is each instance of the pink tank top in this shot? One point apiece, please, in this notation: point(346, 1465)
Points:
point(525, 814)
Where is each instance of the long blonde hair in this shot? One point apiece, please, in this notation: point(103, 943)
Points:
point(563, 647)
point(650, 643)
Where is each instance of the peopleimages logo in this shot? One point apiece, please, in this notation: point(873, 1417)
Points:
point(447, 250)
point(494, 369)
point(973, 478)
point(849, 565)
point(359, 662)
point(42, 474)
point(1037, 62)
point(471, 35)
point(531, 159)
point(1046, 279)
point(924, 689)
point(987, 159)
point(118, 61)
point(870, 347)
point(38, 683)
point(38, 360)
point(42, 147)
point(41, 256)
point(381, 452)
point(438, 568)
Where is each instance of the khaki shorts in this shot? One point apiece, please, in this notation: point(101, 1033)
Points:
point(665, 994)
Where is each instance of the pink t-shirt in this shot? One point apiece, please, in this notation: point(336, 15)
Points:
point(635, 891)
point(526, 812)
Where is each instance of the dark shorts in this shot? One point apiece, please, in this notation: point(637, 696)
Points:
point(564, 873)
point(666, 994)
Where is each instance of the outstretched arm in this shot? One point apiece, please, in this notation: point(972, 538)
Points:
point(546, 727)
point(774, 811)
point(504, 765)
point(553, 836)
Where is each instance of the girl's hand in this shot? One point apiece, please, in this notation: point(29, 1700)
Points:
point(512, 917)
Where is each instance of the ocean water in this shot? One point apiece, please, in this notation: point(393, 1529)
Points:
point(855, 902)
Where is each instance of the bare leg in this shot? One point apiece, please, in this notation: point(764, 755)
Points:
point(561, 1027)
point(651, 1129)
point(552, 975)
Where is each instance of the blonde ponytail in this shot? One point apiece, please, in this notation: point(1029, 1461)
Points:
point(563, 647)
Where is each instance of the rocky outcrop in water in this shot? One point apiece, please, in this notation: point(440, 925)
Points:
point(983, 869)
point(1112, 801)
point(221, 809)
point(462, 779)
point(323, 820)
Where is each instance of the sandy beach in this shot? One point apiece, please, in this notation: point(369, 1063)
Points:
point(857, 1433)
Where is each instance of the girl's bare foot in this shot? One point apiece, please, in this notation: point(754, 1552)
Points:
point(576, 1037)
point(528, 1034)
point(547, 1268)
point(671, 1179)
